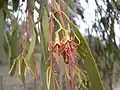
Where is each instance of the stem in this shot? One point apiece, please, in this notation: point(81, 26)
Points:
point(63, 14)
point(27, 28)
point(35, 66)
point(57, 20)
point(71, 76)
point(53, 80)
point(48, 76)
point(36, 73)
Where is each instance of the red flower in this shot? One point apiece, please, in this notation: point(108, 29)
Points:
point(68, 50)
point(54, 49)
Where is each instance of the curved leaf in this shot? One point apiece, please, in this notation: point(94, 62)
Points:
point(32, 46)
point(13, 45)
point(89, 62)
point(23, 73)
point(44, 43)
point(2, 24)
point(29, 59)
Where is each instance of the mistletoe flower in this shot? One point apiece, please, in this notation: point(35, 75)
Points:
point(54, 48)
point(68, 50)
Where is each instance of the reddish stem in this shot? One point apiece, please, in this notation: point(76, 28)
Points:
point(36, 73)
point(70, 58)
point(27, 28)
point(53, 80)
point(28, 37)
point(50, 52)
point(71, 77)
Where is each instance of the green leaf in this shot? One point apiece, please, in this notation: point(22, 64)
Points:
point(45, 25)
point(32, 46)
point(7, 13)
point(2, 25)
point(7, 44)
point(13, 45)
point(44, 43)
point(30, 52)
point(23, 73)
point(41, 10)
point(89, 62)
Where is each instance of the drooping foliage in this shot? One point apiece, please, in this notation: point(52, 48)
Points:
point(105, 47)
point(66, 61)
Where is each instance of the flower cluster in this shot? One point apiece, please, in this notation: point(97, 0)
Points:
point(65, 47)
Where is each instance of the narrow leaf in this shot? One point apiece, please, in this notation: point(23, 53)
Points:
point(44, 43)
point(32, 46)
point(13, 45)
point(2, 24)
point(89, 61)
point(23, 73)
point(29, 61)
